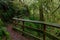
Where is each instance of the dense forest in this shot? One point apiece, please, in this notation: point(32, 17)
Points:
point(39, 10)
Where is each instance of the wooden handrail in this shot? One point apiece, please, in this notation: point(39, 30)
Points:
point(38, 30)
point(51, 36)
point(39, 22)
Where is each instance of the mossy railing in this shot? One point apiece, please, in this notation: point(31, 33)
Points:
point(52, 37)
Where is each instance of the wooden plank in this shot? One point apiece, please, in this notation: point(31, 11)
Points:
point(27, 33)
point(34, 29)
point(39, 22)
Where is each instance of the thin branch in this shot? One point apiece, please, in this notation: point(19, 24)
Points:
point(56, 9)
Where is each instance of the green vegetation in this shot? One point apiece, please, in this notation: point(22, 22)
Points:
point(40, 10)
point(3, 31)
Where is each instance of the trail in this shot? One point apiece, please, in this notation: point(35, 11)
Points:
point(15, 35)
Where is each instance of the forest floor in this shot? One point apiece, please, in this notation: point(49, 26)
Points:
point(15, 35)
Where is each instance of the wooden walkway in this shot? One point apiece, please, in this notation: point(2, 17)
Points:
point(15, 35)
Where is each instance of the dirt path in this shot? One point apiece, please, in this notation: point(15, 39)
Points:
point(15, 35)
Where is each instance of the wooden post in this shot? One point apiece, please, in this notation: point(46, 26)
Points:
point(15, 22)
point(22, 27)
point(44, 32)
point(42, 19)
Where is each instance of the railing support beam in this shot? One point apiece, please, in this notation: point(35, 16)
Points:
point(22, 27)
point(44, 34)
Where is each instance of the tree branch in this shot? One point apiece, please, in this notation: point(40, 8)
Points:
point(56, 9)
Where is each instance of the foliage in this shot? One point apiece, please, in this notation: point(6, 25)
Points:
point(11, 9)
point(31, 10)
point(3, 31)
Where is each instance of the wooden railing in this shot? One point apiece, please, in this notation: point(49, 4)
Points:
point(52, 37)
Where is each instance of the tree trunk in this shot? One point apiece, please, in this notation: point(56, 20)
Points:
point(41, 13)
